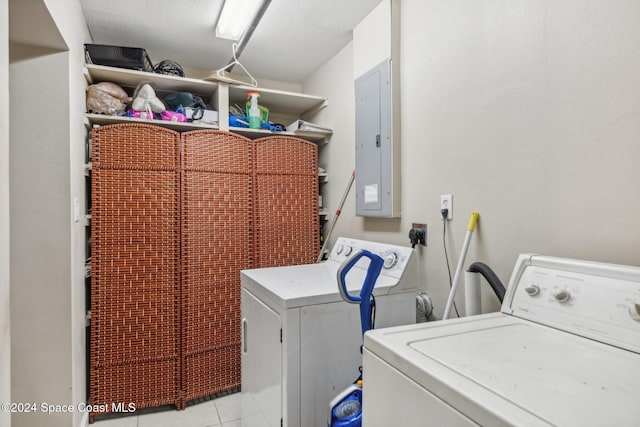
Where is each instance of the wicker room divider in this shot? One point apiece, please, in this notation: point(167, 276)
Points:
point(135, 297)
point(175, 217)
point(216, 244)
point(286, 220)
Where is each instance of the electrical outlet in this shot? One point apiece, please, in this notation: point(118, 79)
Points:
point(418, 234)
point(446, 202)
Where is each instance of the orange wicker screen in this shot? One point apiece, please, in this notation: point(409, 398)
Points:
point(216, 245)
point(286, 219)
point(174, 220)
point(135, 252)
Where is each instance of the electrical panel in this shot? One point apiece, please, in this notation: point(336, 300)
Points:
point(377, 174)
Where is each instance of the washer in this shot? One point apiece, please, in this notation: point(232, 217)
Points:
point(301, 341)
point(563, 351)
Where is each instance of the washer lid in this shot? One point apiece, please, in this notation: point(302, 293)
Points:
point(497, 369)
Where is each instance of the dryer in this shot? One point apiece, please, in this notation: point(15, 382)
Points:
point(301, 342)
point(563, 351)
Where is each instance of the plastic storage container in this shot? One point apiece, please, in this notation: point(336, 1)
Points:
point(133, 58)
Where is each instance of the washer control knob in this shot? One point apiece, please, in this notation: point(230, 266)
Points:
point(339, 249)
point(532, 290)
point(634, 311)
point(390, 260)
point(348, 250)
point(562, 295)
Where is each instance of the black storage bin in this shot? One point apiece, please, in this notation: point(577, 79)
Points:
point(133, 58)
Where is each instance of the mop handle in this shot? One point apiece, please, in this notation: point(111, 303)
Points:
point(335, 218)
point(473, 221)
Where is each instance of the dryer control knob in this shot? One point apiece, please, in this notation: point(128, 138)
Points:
point(339, 249)
point(562, 296)
point(532, 290)
point(348, 250)
point(390, 260)
point(634, 311)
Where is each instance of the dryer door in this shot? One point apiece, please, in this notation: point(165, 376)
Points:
point(261, 363)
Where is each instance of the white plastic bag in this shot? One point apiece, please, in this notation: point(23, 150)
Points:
point(106, 98)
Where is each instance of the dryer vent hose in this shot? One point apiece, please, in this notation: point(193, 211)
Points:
point(490, 276)
point(424, 307)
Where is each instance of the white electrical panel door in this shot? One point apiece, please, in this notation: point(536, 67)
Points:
point(375, 173)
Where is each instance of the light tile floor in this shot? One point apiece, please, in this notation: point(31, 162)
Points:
point(224, 411)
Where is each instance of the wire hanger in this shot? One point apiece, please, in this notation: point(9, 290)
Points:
point(235, 61)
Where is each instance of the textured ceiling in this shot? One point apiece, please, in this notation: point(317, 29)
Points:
point(293, 38)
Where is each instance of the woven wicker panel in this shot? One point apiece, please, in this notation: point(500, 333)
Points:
point(149, 384)
point(216, 245)
point(286, 219)
point(135, 146)
point(135, 291)
point(215, 151)
point(285, 155)
point(212, 371)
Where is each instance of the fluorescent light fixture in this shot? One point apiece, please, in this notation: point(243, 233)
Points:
point(235, 18)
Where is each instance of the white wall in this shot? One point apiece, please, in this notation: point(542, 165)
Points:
point(5, 338)
point(527, 111)
point(40, 236)
point(48, 246)
point(69, 19)
point(372, 39)
point(338, 156)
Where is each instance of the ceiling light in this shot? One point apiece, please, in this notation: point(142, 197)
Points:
point(235, 18)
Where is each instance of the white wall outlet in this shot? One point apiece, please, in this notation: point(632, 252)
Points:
point(446, 202)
